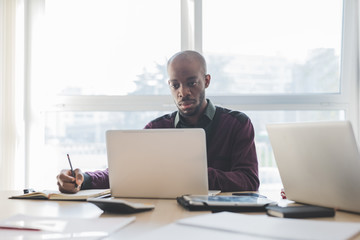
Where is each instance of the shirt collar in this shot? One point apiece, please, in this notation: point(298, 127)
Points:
point(209, 112)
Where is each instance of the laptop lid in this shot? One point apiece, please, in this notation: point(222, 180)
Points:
point(157, 163)
point(318, 162)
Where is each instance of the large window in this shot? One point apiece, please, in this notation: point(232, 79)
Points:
point(276, 46)
point(101, 64)
point(108, 47)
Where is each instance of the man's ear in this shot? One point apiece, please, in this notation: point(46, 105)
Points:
point(207, 80)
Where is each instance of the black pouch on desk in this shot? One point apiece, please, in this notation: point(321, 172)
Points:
point(224, 203)
point(303, 211)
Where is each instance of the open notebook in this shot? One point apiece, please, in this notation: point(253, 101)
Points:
point(82, 195)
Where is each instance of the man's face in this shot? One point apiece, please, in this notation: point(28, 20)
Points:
point(187, 84)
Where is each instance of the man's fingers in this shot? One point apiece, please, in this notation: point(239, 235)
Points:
point(79, 177)
point(67, 183)
point(68, 188)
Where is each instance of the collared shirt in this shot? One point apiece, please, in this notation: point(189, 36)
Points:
point(205, 119)
point(204, 122)
point(231, 153)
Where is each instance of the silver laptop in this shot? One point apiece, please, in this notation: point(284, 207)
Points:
point(319, 163)
point(157, 163)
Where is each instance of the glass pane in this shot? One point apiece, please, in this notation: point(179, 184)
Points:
point(108, 47)
point(279, 46)
point(82, 135)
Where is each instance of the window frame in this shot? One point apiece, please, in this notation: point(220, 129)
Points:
point(191, 38)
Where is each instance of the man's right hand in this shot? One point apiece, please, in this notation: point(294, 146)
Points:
point(69, 184)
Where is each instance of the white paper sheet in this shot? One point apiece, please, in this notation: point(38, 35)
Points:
point(73, 228)
point(176, 231)
point(271, 227)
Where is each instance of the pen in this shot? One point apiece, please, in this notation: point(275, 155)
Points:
point(19, 228)
point(71, 168)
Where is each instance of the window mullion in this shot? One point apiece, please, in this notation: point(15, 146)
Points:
point(350, 62)
point(187, 25)
point(191, 25)
point(198, 26)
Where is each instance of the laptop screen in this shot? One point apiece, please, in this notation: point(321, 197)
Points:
point(318, 162)
point(157, 163)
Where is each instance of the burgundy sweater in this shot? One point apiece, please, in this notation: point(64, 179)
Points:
point(232, 160)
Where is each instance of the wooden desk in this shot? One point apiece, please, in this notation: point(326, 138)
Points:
point(165, 212)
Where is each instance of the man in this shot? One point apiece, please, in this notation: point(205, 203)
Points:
point(232, 160)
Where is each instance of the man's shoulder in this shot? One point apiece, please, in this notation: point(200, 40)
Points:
point(165, 121)
point(232, 114)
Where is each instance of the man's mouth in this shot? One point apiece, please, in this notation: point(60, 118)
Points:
point(187, 103)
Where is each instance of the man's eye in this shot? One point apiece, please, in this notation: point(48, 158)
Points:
point(192, 84)
point(175, 86)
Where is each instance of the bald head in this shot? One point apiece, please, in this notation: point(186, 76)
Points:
point(188, 57)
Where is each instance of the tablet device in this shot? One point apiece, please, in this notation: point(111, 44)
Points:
point(244, 203)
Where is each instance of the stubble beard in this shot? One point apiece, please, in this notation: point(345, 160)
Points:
point(196, 109)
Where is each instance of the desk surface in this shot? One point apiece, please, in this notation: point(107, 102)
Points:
point(165, 212)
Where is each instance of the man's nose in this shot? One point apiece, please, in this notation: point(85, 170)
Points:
point(184, 91)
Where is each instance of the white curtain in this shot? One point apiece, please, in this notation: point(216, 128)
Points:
point(9, 143)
